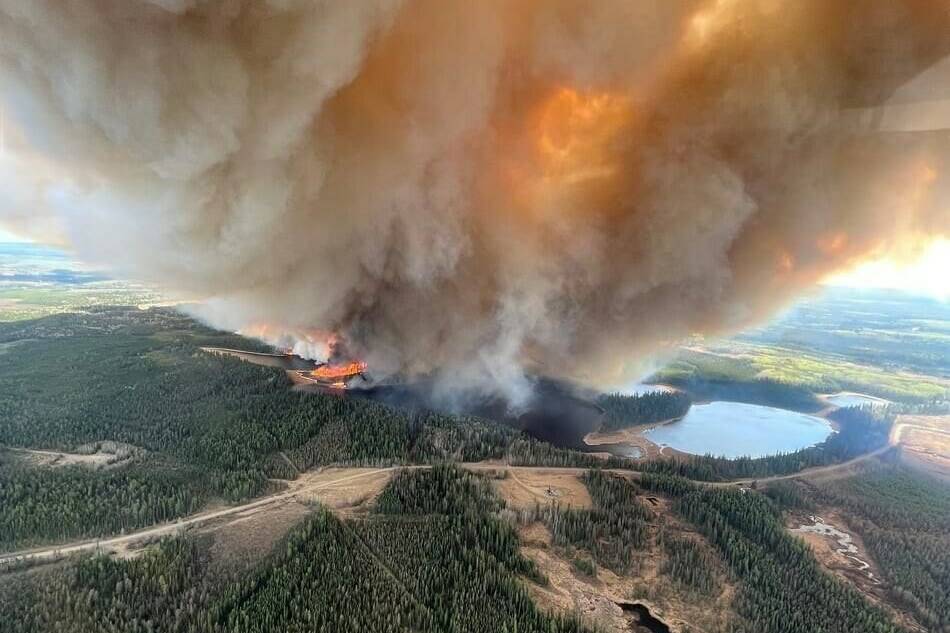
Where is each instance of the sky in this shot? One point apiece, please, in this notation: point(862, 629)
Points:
point(6, 236)
point(929, 275)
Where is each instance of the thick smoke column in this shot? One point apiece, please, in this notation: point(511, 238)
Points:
point(473, 187)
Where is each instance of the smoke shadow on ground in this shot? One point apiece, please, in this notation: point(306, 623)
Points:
point(557, 412)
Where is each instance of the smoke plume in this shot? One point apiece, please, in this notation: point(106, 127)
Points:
point(475, 188)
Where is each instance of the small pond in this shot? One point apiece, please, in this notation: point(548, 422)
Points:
point(735, 429)
point(642, 619)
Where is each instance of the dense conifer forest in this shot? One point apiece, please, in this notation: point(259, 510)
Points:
point(622, 411)
point(70, 502)
point(688, 564)
point(904, 520)
point(432, 558)
point(206, 425)
point(782, 588)
point(612, 531)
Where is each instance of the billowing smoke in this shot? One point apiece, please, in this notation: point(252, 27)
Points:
point(480, 188)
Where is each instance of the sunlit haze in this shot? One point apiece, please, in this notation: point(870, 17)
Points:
point(929, 274)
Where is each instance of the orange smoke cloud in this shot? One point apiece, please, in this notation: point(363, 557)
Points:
point(457, 186)
point(575, 134)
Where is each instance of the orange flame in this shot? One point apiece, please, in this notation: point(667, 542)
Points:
point(338, 373)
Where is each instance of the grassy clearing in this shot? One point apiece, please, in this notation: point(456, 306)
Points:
point(20, 303)
point(798, 369)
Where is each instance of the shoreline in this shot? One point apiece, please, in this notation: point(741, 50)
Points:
point(634, 436)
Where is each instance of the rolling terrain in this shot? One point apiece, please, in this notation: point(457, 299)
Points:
point(219, 477)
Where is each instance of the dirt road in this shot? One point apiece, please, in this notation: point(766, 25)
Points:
point(113, 543)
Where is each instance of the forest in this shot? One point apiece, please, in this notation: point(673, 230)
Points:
point(438, 547)
point(904, 519)
point(432, 557)
point(612, 531)
point(208, 425)
point(711, 377)
point(622, 411)
point(782, 588)
point(440, 550)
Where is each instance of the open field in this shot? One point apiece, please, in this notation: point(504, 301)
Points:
point(523, 488)
point(902, 335)
point(348, 490)
point(37, 281)
point(22, 303)
point(95, 455)
point(595, 599)
point(744, 361)
point(925, 442)
point(344, 490)
point(54, 459)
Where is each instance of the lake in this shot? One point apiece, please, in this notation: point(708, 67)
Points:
point(735, 429)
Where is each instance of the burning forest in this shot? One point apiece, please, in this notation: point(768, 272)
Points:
point(475, 191)
point(337, 375)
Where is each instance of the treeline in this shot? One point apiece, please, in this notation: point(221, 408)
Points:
point(527, 451)
point(904, 519)
point(782, 588)
point(933, 406)
point(861, 430)
point(622, 411)
point(612, 531)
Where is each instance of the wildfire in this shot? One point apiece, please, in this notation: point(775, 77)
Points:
point(338, 373)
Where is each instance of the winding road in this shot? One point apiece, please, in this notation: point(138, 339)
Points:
point(303, 487)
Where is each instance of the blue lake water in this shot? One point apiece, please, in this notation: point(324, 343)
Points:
point(855, 400)
point(734, 429)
